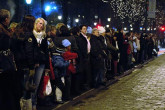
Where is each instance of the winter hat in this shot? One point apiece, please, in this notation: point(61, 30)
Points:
point(66, 43)
point(101, 29)
point(89, 30)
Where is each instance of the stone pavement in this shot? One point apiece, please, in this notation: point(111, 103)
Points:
point(143, 89)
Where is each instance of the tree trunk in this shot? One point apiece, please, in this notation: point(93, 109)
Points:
point(65, 11)
point(43, 11)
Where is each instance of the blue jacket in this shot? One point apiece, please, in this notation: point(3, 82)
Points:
point(59, 65)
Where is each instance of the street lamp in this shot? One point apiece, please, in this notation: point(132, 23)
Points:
point(125, 29)
point(108, 19)
point(28, 3)
point(96, 17)
point(59, 17)
point(107, 26)
point(77, 20)
point(95, 23)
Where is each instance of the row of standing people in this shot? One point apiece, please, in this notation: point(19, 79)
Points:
point(28, 53)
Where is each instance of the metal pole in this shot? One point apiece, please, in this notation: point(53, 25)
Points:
point(42, 9)
point(146, 16)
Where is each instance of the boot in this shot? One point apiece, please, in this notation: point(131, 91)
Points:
point(26, 104)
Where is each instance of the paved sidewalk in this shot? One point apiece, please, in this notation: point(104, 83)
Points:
point(143, 89)
point(91, 92)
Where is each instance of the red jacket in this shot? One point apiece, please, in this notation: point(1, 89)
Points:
point(70, 56)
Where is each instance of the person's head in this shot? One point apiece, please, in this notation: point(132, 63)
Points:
point(40, 25)
point(13, 26)
point(66, 43)
point(83, 29)
point(53, 30)
point(120, 29)
point(101, 30)
point(95, 32)
point(75, 31)
point(108, 32)
point(115, 38)
point(28, 23)
point(63, 31)
point(5, 17)
point(58, 26)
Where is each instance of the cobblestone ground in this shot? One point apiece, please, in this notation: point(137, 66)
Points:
point(143, 89)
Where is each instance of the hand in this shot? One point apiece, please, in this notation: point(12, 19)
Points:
point(47, 72)
point(32, 72)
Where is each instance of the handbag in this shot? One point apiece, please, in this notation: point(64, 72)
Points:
point(46, 87)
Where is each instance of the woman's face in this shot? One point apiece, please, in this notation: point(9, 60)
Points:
point(96, 33)
point(40, 25)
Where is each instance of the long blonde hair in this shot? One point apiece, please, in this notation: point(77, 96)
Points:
point(44, 27)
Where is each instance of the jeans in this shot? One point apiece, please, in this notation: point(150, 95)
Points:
point(98, 76)
point(37, 78)
point(26, 94)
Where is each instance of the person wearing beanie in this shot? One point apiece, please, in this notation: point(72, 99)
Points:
point(71, 69)
point(101, 30)
point(89, 30)
point(66, 43)
point(107, 48)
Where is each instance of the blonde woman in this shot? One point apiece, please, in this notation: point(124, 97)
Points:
point(41, 54)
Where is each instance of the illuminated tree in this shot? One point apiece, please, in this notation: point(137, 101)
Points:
point(132, 10)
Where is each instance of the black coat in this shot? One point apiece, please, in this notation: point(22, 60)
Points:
point(6, 62)
point(120, 40)
point(114, 54)
point(82, 47)
point(28, 52)
point(97, 54)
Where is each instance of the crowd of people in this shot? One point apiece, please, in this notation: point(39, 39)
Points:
point(42, 64)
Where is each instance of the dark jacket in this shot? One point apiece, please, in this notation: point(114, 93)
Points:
point(6, 61)
point(114, 54)
point(32, 53)
point(97, 54)
point(120, 40)
point(60, 66)
point(41, 52)
point(82, 45)
point(22, 49)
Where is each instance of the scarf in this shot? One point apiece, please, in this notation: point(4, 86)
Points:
point(39, 36)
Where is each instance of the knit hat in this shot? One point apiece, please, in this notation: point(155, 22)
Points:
point(66, 43)
point(89, 30)
point(101, 29)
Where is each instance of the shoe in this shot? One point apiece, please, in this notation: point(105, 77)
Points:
point(60, 102)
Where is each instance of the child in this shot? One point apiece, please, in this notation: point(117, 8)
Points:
point(71, 57)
